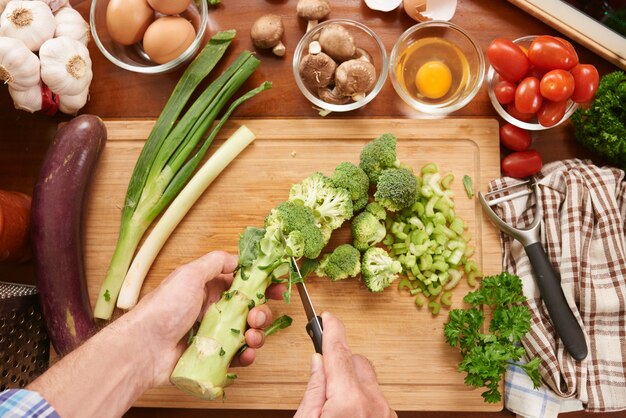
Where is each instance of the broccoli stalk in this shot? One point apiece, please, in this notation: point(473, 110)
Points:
point(264, 255)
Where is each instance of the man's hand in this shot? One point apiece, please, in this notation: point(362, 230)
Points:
point(169, 311)
point(342, 384)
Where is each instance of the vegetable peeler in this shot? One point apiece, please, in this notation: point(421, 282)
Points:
point(314, 326)
point(547, 279)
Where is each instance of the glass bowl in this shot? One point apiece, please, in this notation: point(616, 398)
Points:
point(532, 125)
point(133, 57)
point(434, 43)
point(364, 38)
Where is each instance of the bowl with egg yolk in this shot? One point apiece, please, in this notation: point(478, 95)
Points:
point(436, 67)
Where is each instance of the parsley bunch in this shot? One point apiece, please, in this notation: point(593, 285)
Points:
point(487, 355)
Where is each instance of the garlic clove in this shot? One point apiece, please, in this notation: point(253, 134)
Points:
point(65, 66)
point(71, 24)
point(55, 5)
point(72, 104)
point(32, 22)
point(3, 4)
point(29, 100)
point(19, 66)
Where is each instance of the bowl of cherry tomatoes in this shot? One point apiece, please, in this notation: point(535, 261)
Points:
point(537, 82)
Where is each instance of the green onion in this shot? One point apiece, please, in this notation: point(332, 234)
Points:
point(165, 164)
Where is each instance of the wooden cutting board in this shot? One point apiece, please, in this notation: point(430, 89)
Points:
point(415, 367)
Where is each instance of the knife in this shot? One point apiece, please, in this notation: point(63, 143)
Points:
point(314, 326)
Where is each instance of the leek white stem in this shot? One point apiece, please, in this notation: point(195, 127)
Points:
point(129, 294)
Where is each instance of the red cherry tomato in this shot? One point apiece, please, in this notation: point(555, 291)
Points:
point(557, 85)
point(586, 80)
point(521, 164)
point(524, 117)
point(514, 138)
point(536, 72)
point(508, 59)
point(528, 96)
point(505, 92)
point(569, 47)
point(551, 112)
point(549, 53)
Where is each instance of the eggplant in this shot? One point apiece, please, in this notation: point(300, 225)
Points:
point(56, 230)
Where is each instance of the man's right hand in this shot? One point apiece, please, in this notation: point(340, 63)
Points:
point(342, 384)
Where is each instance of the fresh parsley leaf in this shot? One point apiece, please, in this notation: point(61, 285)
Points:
point(249, 245)
point(487, 355)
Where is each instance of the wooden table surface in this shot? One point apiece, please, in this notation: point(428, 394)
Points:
point(116, 93)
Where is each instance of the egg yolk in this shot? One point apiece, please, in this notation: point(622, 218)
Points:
point(433, 79)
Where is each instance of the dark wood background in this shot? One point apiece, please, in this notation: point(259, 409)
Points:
point(116, 93)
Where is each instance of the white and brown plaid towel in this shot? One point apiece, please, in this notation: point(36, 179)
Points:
point(584, 234)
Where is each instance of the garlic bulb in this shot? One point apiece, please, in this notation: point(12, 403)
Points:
point(19, 66)
point(3, 4)
point(55, 5)
point(65, 66)
point(29, 100)
point(71, 24)
point(30, 21)
point(72, 104)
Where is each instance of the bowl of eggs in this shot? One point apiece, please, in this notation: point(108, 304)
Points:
point(436, 67)
point(148, 36)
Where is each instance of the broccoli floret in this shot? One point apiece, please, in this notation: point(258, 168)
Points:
point(379, 155)
point(353, 179)
point(367, 231)
point(378, 269)
point(292, 217)
point(396, 189)
point(331, 205)
point(342, 263)
point(377, 210)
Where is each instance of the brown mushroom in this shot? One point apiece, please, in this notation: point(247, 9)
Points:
point(355, 78)
point(361, 54)
point(267, 31)
point(313, 11)
point(337, 42)
point(332, 96)
point(317, 70)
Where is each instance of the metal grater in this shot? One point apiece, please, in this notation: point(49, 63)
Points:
point(24, 343)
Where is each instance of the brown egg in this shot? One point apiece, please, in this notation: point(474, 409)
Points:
point(127, 20)
point(167, 38)
point(169, 7)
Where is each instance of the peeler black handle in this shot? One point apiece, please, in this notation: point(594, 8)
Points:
point(314, 329)
point(563, 320)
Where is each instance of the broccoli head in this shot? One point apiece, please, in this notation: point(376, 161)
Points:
point(379, 155)
point(367, 231)
point(331, 205)
point(377, 210)
point(299, 227)
point(396, 189)
point(378, 269)
point(343, 262)
point(353, 179)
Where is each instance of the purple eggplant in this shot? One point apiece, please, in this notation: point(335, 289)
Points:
point(56, 230)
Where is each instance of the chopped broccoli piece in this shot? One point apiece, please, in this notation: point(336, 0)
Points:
point(379, 270)
point(294, 219)
point(353, 179)
point(342, 263)
point(396, 189)
point(377, 210)
point(379, 155)
point(367, 231)
point(331, 205)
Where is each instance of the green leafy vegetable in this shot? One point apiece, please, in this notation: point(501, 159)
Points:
point(602, 126)
point(487, 355)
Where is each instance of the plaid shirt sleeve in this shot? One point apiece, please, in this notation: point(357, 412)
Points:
point(22, 403)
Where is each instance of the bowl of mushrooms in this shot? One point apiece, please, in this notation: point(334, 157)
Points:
point(340, 65)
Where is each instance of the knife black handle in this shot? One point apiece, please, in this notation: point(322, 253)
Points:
point(563, 320)
point(314, 328)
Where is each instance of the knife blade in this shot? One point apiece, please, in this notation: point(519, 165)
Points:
point(314, 326)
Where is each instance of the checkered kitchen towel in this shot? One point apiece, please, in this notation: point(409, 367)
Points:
point(584, 234)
